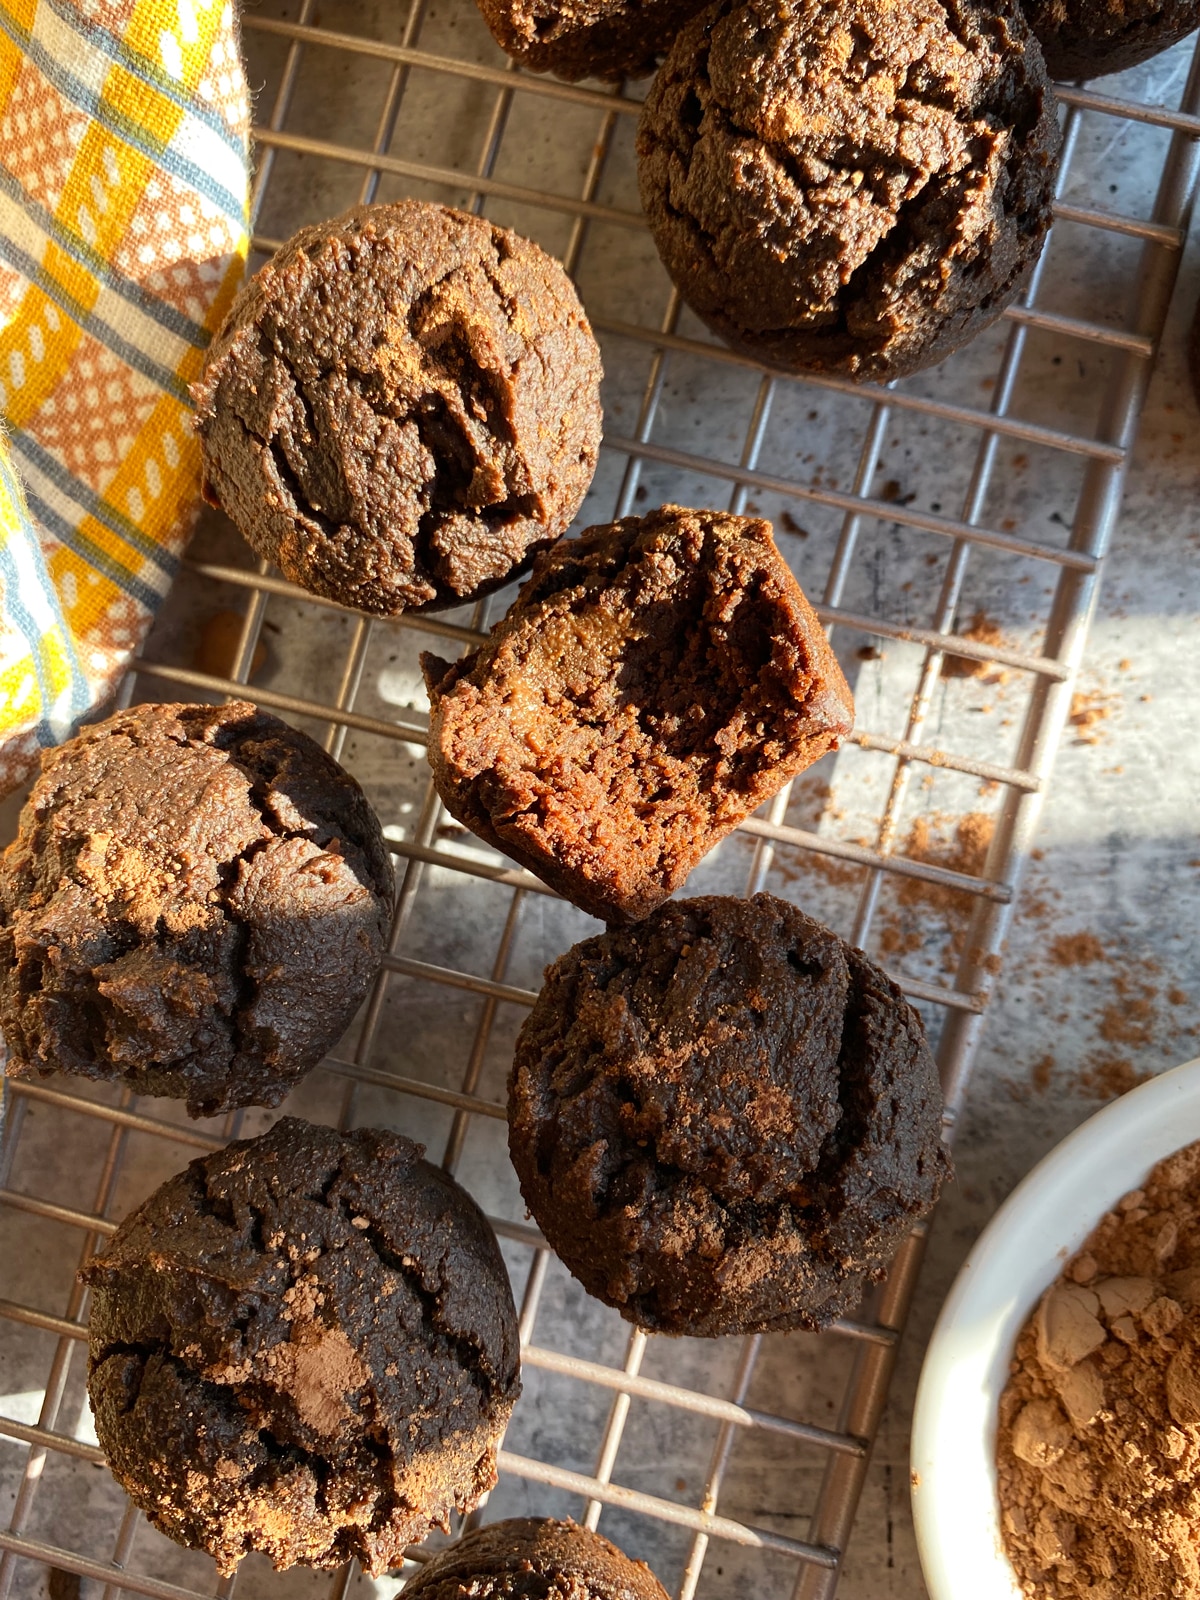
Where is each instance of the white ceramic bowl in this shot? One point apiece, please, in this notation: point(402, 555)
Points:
point(1020, 1252)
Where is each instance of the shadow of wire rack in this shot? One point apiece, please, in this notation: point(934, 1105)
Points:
point(952, 530)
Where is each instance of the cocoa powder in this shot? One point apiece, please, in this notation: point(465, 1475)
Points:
point(1098, 1454)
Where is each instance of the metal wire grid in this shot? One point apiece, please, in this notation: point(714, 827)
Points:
point(954, 1009)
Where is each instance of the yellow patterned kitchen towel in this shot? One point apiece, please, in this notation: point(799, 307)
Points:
point(124, 130)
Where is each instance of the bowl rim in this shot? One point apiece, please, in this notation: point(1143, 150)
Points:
point(953, 1476)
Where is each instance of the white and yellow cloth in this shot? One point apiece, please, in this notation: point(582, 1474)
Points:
point(124, 129)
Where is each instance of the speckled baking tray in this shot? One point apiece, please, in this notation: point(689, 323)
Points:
point(951, 531)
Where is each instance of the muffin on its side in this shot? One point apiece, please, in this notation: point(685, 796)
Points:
point(724, 1119)
point(1091, 38)
point(855, 188)
point(531, 1558)
point(401, 407)
point(587, 38)
point(197, 900)
point(653, 683)
point(304, 1344)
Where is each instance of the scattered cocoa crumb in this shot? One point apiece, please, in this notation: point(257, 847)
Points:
point(965, 850)
point(1131, 1022)
point(1088, 711)
point(959, 843)
point(868, 652)
point(1108, 1076)
point(1076, 950)
point(1177, 996)
point(983, 630)
point(794, 867)
point(1098, 1455)
point(1124, 665)
point(792, 526)
point(895, 941)
point(1040, 1073)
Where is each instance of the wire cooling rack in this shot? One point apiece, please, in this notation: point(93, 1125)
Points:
point(951, 531)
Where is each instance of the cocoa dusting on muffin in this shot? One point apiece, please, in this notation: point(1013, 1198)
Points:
point(305, 1345)
point(724, 1118)
point(854, 188)
point(196, 902)
point(401, 407)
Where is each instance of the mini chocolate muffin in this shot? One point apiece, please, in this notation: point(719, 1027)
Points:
point(532, 1558)
point(401, 407)
point(587, 38)
point(855, 188)
point(654, 682)
point(196, 902)
point(304, 1344)
point(724, 1119)
point(1090, 38)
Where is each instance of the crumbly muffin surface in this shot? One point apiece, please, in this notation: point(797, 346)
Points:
point(853, 188)
point(724, 1119)
point(402, 406)
point(655, 681)
point(531, 1558)
point(1091, 38)
point(306, 1345)
point(587, 38)
point(196, 902)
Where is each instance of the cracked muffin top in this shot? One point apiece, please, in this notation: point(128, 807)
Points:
point(533, 1558)
point(854, 187)
point(653, 683)
point(725, 1118)
point(303, 1344)
point(196, 902)
point(401, 407)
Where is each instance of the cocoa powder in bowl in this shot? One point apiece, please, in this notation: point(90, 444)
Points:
point(1098, 1454)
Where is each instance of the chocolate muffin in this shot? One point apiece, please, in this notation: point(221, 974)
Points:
point(306, 1345)
point(654, 682)
point(1089, 38)
point(724, 1119)
point(532, 1558)
point(587, 38)
point(401, 407)
point(855, 188)
point(196, 902)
